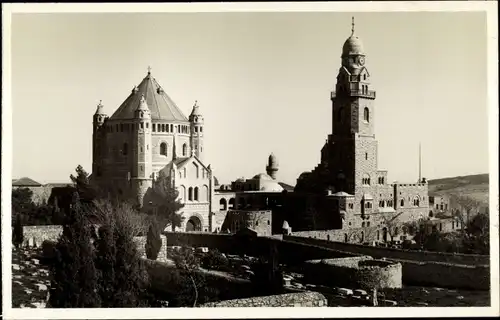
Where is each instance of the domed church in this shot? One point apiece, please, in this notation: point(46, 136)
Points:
point(149, 135)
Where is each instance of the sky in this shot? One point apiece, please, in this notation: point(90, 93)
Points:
point(262, 81)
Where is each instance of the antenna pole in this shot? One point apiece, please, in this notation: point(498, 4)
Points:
point(419, 162)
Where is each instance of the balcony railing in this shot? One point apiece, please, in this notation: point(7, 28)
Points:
point(355, 93)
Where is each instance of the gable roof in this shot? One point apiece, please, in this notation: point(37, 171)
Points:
point(161, 106)
point(25, 182)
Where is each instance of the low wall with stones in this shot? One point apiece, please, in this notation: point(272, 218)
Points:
point(35, 235)
point(389, 253)
point(301, 299)
point(290, 252)
point(354, 272)
point(446, 275)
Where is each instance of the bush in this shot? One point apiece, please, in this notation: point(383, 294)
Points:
point(153, 242)
point(215, 260)
point(18, 232)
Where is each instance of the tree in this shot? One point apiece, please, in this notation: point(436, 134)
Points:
point(392, 224)
point(153, 242)
point(124, 278)
point(18, 233)
point(81, 181)
point(187, 262)
point(166, 203)
point(267, 276)
point(74, 276)
point(22, 202)
point(466, 203)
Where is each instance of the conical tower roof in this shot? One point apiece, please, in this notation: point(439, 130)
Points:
point(159, 103)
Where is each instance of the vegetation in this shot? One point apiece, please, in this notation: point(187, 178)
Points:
point(75, 277)
point(214, 260)
point(192, 284)
point(153, 242)
point(166, 204)
point(17, 233)
point(267, 276)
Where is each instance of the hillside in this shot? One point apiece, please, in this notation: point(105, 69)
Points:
point(473, 186)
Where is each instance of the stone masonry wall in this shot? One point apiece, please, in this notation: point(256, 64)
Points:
point(390, 253)
point(301, 299)
point(355, 272)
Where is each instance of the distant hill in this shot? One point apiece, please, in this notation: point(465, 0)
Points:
point(473, 186)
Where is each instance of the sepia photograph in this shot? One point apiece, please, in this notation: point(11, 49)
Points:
point(175, 159)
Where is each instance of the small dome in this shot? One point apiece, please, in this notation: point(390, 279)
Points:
point(352, 45)
point(285, 225)
point(262, 176)
point(270, 186)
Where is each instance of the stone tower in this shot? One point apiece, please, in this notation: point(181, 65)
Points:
point(141, 177)
point(351, 149)
point(98, 139)
point(196, 133)
point(272, 166)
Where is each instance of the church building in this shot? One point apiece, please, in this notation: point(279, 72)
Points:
point(146, 136)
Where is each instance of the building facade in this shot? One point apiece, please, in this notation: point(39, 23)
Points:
point(348, 172)
point(146, 136)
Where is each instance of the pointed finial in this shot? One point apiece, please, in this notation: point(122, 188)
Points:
point(142, 98)
point(100, 103)
point(149, 69)
point(352, 30)
point(193, 152)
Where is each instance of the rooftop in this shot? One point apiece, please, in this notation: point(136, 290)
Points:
point(161, 106)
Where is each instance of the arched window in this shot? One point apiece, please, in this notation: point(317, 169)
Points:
point(328, 237)
point(196, 193)
point(231, 203)
point(184, 149)
point(223, 204)
point(366, 115)
point(125, 149)
point(364, 77)
point(190, 194)
point(345, 237)
point(366, 179)
point(362, 236)
point(163, 149)
point(416, 201)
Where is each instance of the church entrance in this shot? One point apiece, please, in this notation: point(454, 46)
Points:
point(193, 224)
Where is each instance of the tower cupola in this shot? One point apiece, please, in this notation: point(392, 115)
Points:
point(142, 111)
point(99, 115)
point(196, 116)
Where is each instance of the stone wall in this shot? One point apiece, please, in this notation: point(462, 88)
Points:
point(35, 235)
point(390, 253)
point(301, 299)
point(446, 275)
point(290, 252)
point(354, 272)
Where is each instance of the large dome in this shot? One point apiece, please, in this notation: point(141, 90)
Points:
point(352, 45)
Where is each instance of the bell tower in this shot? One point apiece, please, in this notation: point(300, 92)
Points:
point(351, 150)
